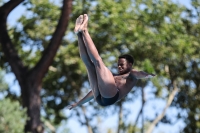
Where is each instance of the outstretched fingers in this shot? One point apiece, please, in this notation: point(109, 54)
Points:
point(71, 106)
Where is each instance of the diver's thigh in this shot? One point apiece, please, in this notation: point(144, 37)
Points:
point(106, 82)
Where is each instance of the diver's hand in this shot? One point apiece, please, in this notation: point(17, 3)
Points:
point(72, 106)
point(150, 76)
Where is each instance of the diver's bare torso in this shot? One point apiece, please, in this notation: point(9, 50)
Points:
point(124, 83)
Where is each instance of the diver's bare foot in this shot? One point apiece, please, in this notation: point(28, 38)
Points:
point(78, 23)
point(83, 26)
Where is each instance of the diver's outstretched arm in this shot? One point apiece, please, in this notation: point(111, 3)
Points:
point(87, 98)
point(141, 74)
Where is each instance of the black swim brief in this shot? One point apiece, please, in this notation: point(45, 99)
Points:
point(107, 101)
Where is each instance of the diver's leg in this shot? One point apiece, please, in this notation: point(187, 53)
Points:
point(89, 66)
point(84, 56)
point(105, 79)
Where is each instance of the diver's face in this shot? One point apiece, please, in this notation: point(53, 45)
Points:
point(124, 66)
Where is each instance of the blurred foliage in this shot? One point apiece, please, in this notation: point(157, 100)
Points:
point(12, 116)
point(3, 85)
point(162, 36)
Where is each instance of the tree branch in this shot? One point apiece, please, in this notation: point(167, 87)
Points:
point(143, 103)
point(120, 116)
point(50, 126)
point(169, 101)
point(9, 6)
point(49, 53)
point(86, 120)
point(7, 46)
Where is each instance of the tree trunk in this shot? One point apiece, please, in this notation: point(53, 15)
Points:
point(30, 81)
point(31, 100)
point(120, 117)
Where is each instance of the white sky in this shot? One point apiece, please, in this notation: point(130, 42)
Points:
point(110, 122)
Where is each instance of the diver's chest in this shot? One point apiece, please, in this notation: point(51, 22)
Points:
point(120, 81)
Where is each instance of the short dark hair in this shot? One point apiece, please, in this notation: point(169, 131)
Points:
point(128, 57)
